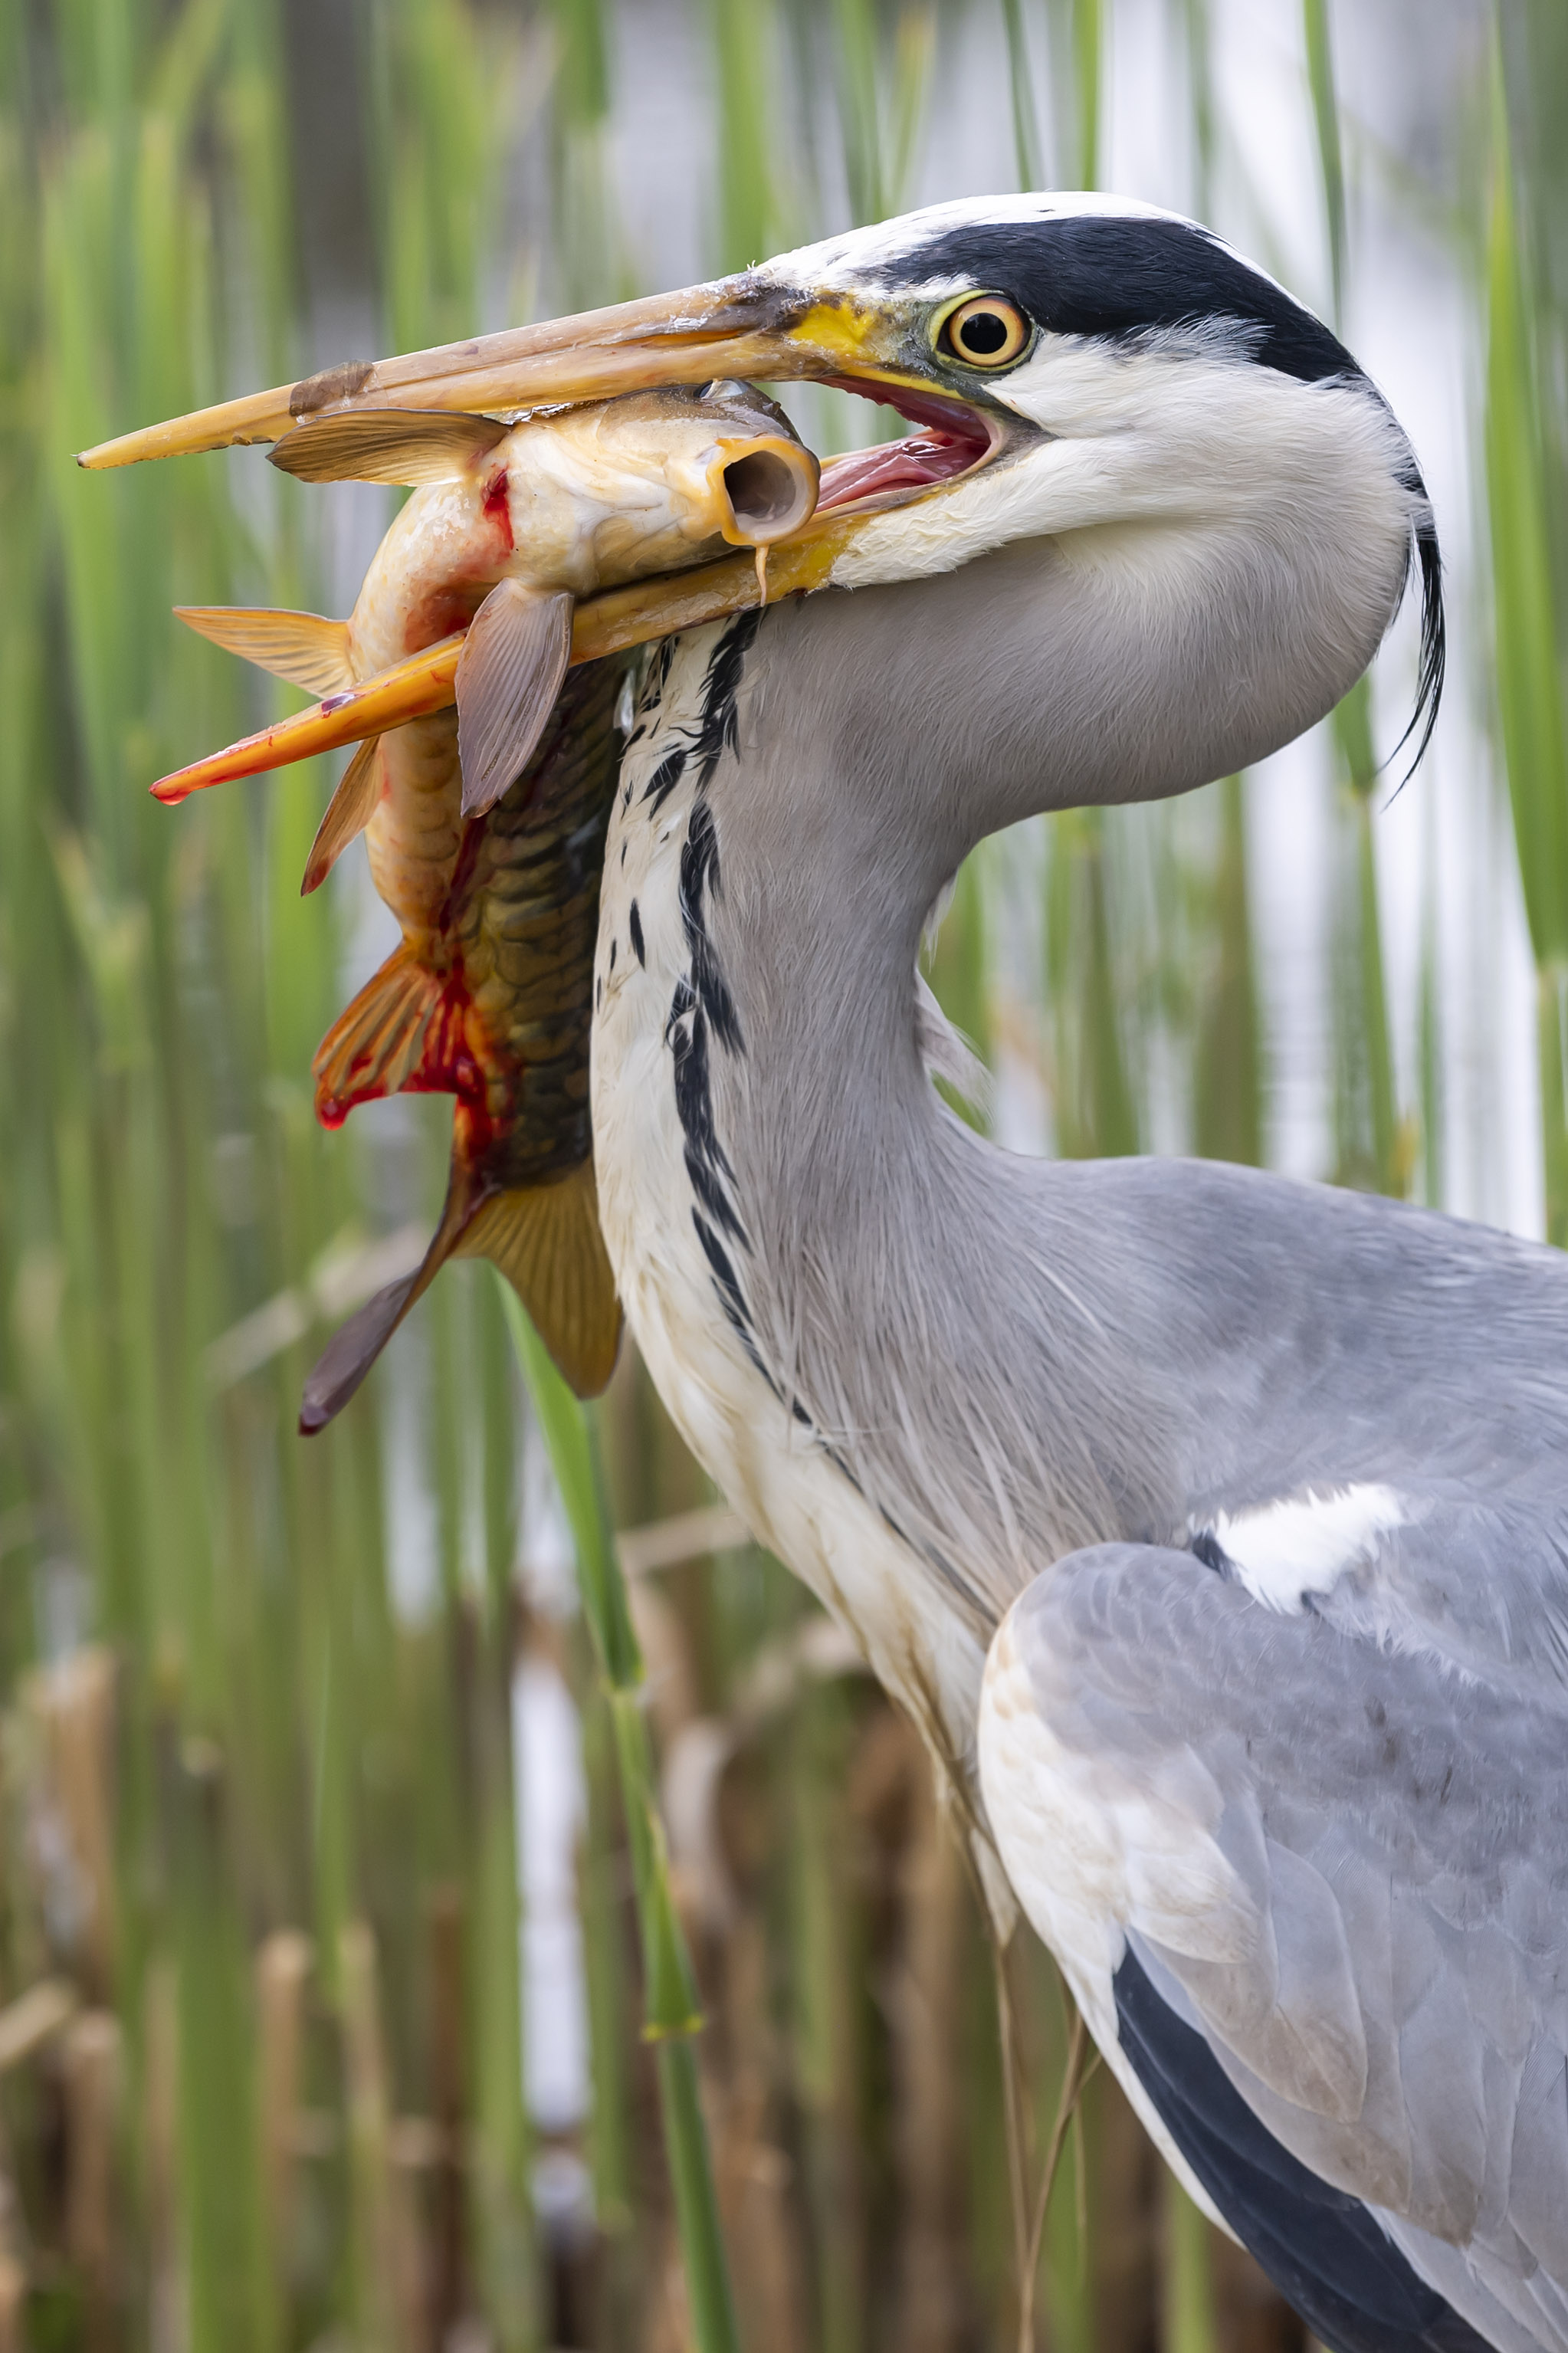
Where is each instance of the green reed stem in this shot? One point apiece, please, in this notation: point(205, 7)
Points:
point(1529, 687)
point(1087, 72)
point(671, 2010)
point(1020, 82)
point(1372, 1144)
point(1189, 2282)
point(1326, 121)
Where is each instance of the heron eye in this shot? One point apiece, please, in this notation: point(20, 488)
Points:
point(987, 331)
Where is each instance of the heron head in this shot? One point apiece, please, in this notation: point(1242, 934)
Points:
point(1075, 369)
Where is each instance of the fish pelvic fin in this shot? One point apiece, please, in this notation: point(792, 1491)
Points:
point(513, 660)
point(374, 1046)
point(349, 812)
point(412, 446)
point(304, 647)
point(545, 1239)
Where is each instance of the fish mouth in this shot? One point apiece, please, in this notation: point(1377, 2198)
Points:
point(766, 493)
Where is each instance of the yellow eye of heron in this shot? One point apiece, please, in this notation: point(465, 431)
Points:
point(985, 332)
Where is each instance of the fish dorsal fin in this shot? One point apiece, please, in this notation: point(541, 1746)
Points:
point(304, 647)
point(374, 1046)
point(509, 675)
point(545, 1239)
point(349, 812)
point(411, 446)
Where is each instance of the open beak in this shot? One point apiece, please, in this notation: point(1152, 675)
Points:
point(746, 327)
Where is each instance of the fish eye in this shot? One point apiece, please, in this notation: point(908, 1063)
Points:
point(987, 331)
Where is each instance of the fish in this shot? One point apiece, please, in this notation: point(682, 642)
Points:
point(485, 822)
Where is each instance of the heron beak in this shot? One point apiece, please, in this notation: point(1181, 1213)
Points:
point(741, 326)
point(745, 327)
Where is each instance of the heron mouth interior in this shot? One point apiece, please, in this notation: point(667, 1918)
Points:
point(952, 439)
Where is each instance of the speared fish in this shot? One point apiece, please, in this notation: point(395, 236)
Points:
point(485, 823)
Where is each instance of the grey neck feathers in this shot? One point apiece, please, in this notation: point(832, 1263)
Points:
point(963, 1328)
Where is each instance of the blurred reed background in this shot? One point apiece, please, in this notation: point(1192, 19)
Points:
point(295, 1736)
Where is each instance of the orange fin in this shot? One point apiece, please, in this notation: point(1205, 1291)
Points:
point(387, 445)
point(374, 1045)
point(545, 1239)
point(305, 648)
point(349, 812)
point(509, 675)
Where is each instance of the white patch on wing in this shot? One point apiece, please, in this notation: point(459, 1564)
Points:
point(1305, 1543)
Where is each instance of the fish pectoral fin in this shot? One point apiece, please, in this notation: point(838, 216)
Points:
point(355, 1346)
point(545, 1239)
point(509, 675)
point(351, 1352)
point(304, 647)
point(349, 812)
point(374, 1045)
point(410, 446)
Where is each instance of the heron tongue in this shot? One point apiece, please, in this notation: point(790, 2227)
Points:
point(906, 465)
point(950, 442)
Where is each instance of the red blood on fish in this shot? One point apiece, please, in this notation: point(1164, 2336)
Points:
point(447, 1065)
point(497, 509)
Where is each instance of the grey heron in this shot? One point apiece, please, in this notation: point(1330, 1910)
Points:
point(1211, 1525)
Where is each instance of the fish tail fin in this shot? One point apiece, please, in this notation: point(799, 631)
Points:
point(545, 1239)
point(374, 1046)
point(355, 1346)
point(304, 647)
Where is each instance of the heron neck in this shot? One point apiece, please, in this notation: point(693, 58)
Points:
point(878, 738)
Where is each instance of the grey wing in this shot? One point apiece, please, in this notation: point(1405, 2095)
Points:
point(1311, 1890)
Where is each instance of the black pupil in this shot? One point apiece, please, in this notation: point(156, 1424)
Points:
point(984, 332)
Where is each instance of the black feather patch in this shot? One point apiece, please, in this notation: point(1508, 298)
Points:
point(665, 778)
point(1434, 663)
point(716, 729)
point(1119, 278)
point(707, 1162)
point(699, 875)
point(1321, 2248)
point(730, 1298)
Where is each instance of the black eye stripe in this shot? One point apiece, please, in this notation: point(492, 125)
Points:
point(1118, 278)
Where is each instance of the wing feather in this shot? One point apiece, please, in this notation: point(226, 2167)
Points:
point(1372, 1848)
